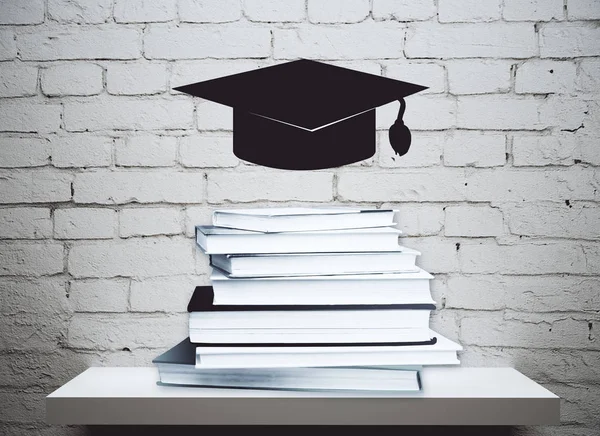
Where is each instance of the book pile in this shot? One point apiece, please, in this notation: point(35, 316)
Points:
point(308, 298)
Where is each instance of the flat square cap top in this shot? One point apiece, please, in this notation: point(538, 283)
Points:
point(304, 93)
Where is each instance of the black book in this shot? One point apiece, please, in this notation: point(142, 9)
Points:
point(203, 298)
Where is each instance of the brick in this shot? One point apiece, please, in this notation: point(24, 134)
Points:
point(148, 257)
point(509, 113)
point(196, 216)
point(119, 187)
point(25, 223)
point(474, 149)
point(125, 79)
point(545, 76)
point(557, 220)
point(494, 40)
point(577, 406)
point(23, 369)
point(22, 259)
point(426, 74)
point(366, 40)
point(583, 10)
point(196, 42)
point(74, 78)
point(81, 150)
point(149, 221)
point(588, 77)
point(23, 152)
point(17, 80)
point(144, 11)
point(452, 11)
point(501, 113)
point(338, 11)
point(23, 407)
point(34, 186)
point(99, 295)
point(44, 298)
point(473, 221)
point(80, 11)
point(8, 45)
point(190, 71)
point(104, 332)
point(212, 116)
point(522, 293)
point(558, 149)
point(530, 185)
point(23, 115)
point(438, 255)
point(83, 42)
point(569, 40)
point(145, 150)
point(273, 10)
point(532, 10)
point(149, 295)
point(541, 331)
point(88, 223)
point(32, 332)
point(207, 151)
point(546, 258)
point(419, 109)
point(403, 10)
point(418, 219)
point(478, 77)
point(269, 184)
point(29, 12)
point(205, 11)
point(425, 151)
point(414, 185)
point(115, 113)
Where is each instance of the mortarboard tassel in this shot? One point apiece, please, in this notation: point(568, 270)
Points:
point(399, 134)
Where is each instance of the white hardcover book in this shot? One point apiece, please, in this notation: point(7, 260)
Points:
point(443, 352)
point(299, 264)
point(398, 288)
point(319, 319)
point(308, 335)
point(177, 367)
point(294, 219)
point(216, 240)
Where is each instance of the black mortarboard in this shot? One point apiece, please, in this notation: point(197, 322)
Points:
point(306, 115)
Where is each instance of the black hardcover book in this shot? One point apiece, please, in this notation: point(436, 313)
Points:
point(203, 297)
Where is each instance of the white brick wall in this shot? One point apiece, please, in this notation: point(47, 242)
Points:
point(105, 171)
point(88, 223)
point(73, 78)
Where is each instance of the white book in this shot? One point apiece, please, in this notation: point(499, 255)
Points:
point(443, 352)
point(314, 319)
point(308, 335)
point(177, 367)
point(398, 288)
point(217, 240)
point(294, 219)
point(299, 264)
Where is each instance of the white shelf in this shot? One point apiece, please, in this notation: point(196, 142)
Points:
point(451, 396)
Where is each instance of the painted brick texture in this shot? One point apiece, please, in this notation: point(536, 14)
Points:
point(105, 170)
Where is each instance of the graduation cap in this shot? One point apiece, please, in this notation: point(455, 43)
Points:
point(307, 115)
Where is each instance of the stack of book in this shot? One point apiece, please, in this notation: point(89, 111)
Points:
point(308, 298)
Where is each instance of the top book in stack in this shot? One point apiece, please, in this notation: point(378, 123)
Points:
point(309, 231)
point(301, 219)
